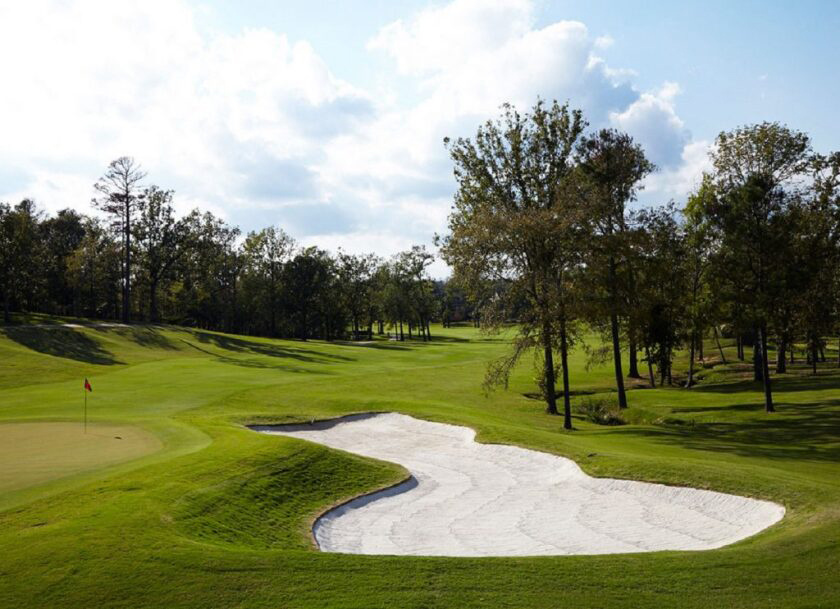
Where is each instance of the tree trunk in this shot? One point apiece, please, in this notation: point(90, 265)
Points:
point(765, 369)
point(690, 380)
point(633, 371)
point(781, 362)
point(564, 361)
point(126, 312)
point(740, 348)
point(402, 336)
point(650, 367)
point(758, 366)
point(153, 310)
point(619, 374)
point(700, 355)
point(429, 330)
point(814, 355)
point(717, 342)
point(616, 343)
point(663, 373)
point(550, 391)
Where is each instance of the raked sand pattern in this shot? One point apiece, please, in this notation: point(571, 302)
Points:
point(471, 499)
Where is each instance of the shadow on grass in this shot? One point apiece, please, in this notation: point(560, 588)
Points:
point(61, 342)
point(804, 431)
point(386, 345)
point(787, 384)
point(244, 346)
point(267, 365)
point(145, 336)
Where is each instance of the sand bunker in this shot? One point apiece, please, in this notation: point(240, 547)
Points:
point(470, 499)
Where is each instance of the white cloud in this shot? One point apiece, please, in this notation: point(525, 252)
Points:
point(257, 127)
point(653, 121)
point(677, 181)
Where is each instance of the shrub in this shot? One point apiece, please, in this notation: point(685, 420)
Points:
point(600, 410)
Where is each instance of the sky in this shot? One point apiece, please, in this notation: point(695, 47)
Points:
point(327, 118)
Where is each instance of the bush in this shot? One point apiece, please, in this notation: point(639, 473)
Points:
point(600, 410)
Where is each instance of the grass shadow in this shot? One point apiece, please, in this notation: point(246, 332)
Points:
point(802, 431)
point(375, 344)
point(266, 365)
point(242, 345)
point(145, 336)
point(61, 342)
point(786, 384)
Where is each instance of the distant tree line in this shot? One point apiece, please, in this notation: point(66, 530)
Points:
point(145, 263)
point(542, 231)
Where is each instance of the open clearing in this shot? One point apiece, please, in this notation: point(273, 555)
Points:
point(36, 453)
point(221, 516)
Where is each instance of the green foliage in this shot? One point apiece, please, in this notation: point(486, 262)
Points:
point(601, 410)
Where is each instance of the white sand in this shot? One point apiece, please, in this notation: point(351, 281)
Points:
point(470, 499)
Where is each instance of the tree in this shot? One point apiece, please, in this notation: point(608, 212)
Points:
point(757, 174)
point(266, 253)
point(416, 293)
point(94, 271)
point(663, 287)
point(208, 274)
point(306, 283)
point(161, 240)
point(61, 235)
point(21, 256)
point(356, 273)
point(611, 168)
point(120, 196)
point(817, 265)
point(698, 247)
point(504, 221)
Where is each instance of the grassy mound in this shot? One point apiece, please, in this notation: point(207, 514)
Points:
point(275, 502)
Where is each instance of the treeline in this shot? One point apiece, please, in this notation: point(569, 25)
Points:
point(542, 218)
point(145, 263)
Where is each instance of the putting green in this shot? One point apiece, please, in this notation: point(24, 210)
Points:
point(35, 453)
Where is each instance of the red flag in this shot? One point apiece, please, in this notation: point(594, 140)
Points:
point(87, 386)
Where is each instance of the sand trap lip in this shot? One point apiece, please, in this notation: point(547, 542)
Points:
point(469, 499)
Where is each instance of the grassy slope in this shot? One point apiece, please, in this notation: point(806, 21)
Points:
point(220, 516)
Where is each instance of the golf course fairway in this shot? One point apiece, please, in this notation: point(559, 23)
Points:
point(191, 508)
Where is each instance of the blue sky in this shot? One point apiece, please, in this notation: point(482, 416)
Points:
point(736, 62)
point(326, 118)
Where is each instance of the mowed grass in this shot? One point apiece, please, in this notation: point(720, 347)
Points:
point(215, 515)
point(36, 453)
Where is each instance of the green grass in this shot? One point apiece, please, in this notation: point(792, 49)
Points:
point(33, 454)
point(214, 515)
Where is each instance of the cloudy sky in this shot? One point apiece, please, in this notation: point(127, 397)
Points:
point(327, 118)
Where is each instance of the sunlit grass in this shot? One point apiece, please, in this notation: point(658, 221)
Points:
point(219, 516)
